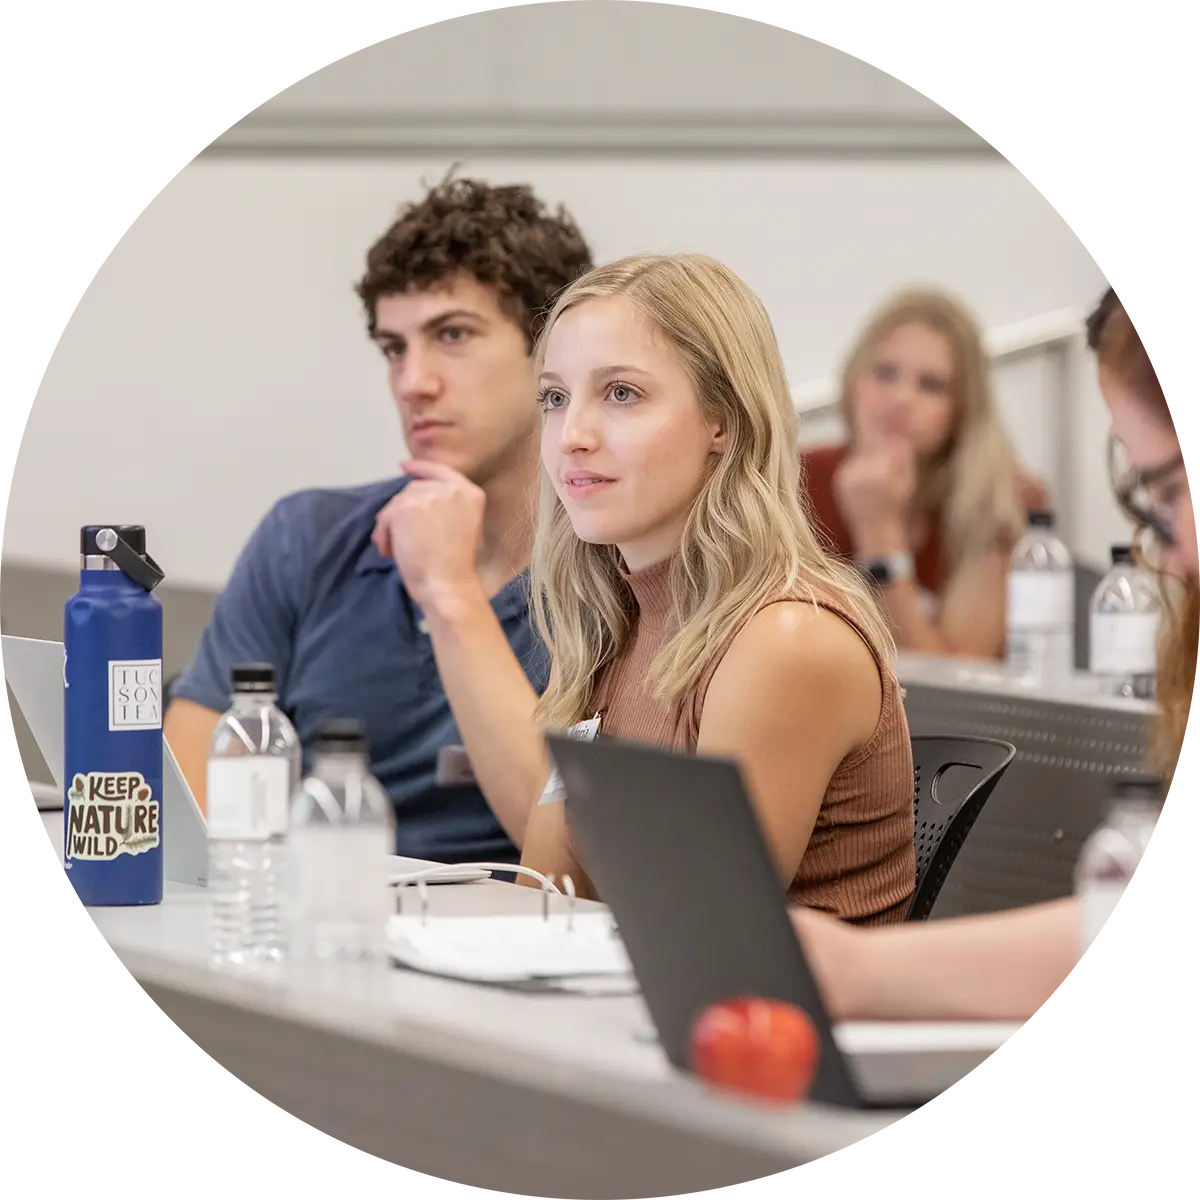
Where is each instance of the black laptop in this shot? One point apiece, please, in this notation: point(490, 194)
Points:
point(674, 848)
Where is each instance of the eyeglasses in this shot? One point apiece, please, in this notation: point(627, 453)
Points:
point(1134, 492)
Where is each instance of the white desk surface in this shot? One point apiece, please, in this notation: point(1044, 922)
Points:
point(992, 679)
point(600, 1036)
point(505, 1060)
point(562, 1044)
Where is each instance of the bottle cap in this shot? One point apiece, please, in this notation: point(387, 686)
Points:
point(102, 539)
point(1122, 555)
point(341, 736)
point(1041, 518)
point(253, 677)
point(124, 546)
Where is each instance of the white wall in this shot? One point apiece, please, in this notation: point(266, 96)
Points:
point(218, 360)
point(1139, 221)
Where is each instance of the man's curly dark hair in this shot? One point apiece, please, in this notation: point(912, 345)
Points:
point(504, 237)
point(1098, 318)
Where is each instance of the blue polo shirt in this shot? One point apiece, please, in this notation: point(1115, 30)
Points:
point(311, 594)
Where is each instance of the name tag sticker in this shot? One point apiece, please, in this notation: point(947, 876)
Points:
point(555, 791)
point(585, 731)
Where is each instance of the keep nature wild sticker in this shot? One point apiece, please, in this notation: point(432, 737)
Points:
point(110, 813)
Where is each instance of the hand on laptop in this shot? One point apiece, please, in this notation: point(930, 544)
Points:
point(433, 529)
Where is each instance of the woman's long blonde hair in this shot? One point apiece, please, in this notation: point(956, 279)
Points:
point(975, 480)
point(746, 540)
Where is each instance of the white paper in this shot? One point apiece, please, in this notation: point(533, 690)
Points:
point(509, 949)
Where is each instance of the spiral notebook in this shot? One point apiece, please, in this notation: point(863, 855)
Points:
point(514, 950)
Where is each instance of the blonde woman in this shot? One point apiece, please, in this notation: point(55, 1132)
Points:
point(682, 595)
point(684, 598)
point(927, 497)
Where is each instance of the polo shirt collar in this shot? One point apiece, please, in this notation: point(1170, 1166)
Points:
point(371, 560)
point(512, 601)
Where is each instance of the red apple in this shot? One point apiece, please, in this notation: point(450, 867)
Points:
point(764, 1048)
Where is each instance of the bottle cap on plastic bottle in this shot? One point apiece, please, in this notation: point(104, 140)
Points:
point(253, 677)
point(1042, 518)
point(341, 736)
point(1122, 555)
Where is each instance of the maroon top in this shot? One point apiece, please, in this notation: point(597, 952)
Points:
point(928, 558)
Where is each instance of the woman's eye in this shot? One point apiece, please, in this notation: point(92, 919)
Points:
point(551, 399)
point(884, 372)
point(933, 385)
point(622, 394)
point(453, 334)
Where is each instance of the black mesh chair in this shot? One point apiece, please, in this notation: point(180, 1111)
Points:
point(954, 777)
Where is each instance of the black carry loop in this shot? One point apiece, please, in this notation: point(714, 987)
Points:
point(135, 563)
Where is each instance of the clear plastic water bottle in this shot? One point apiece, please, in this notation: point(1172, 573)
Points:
point(1125, 611)
point(341, 832)
point(253, 769)
point(1041, 605)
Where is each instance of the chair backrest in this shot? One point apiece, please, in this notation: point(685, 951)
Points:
point(1087, 580)
point(954, 777)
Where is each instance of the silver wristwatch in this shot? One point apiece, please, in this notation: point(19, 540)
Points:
point(888, 568)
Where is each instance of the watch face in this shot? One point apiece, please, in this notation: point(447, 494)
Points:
point(883, 571)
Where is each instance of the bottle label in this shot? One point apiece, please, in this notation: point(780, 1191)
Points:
point(1040, 600)
point(110, 813)
point(1124, 643)
point(248, 798)
point(135, 694)
point(1097, 900)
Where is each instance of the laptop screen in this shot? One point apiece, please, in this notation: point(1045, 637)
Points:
point(674, 849)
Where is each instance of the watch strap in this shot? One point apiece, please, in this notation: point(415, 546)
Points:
point(888, 568)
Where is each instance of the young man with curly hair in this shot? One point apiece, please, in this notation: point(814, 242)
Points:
point(452, 294)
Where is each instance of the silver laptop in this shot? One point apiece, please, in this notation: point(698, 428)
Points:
point(34, 670)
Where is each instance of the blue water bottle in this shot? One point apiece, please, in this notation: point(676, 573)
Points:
point(113, 830)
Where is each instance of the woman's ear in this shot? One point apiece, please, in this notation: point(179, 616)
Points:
point(719, 442)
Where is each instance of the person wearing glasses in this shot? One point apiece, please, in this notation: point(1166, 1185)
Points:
point(1004, 966)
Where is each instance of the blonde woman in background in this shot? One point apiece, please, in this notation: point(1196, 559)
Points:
point(683, 596)
point(927, 497)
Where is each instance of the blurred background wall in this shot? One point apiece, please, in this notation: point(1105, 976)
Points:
point(828, 154)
